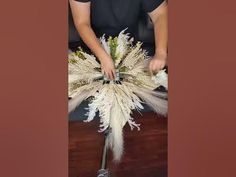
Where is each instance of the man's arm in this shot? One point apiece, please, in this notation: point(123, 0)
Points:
point(160, 21)
point(81, 16)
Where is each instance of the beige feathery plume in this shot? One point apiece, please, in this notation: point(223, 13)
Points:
point(116, 135)
point(83, 93)
point(136, 54)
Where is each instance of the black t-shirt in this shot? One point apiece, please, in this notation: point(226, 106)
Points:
point(109, 17)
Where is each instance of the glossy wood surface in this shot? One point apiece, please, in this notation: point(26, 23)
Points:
point(145, 150)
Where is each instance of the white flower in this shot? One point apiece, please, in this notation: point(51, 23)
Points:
point(161, 78)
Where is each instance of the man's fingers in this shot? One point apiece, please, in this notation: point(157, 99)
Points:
point(161, 67)
point(114, 73)
point(106, 74)
point(110, 75)
point(155, 66)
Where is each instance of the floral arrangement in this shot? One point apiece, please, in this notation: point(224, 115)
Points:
point(116, 100)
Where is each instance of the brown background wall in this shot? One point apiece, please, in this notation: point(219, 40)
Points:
point(33, 74)
point(33, 77)
point(202, 88)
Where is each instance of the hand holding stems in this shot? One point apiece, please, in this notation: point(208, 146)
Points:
point(158, 62)
point(160, 22)
point(108, 67)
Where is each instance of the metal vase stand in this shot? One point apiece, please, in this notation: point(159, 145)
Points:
point(103, 171)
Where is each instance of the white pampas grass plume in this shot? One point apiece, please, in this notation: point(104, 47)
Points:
point(123, 43)
point(135, 55)
point(116, 135)
point(74, 102)
point(159, 105)
point(105, 44)
point(82, 93)
point(156, 100)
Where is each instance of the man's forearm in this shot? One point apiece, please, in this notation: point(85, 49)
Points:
point(161, 34)
point(90, 39)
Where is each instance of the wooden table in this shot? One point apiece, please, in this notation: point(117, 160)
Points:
point(145, 150)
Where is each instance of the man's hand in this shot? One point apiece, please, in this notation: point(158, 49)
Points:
point(108, 68)
point(160, 22)
point(157, 63)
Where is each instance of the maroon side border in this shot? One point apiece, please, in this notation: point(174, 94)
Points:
point(33, 76)
point(202, 88)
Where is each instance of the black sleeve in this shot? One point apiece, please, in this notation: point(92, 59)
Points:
point(83, 0)
point(150, 5)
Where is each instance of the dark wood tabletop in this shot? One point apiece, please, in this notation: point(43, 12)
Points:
point(145, 153)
